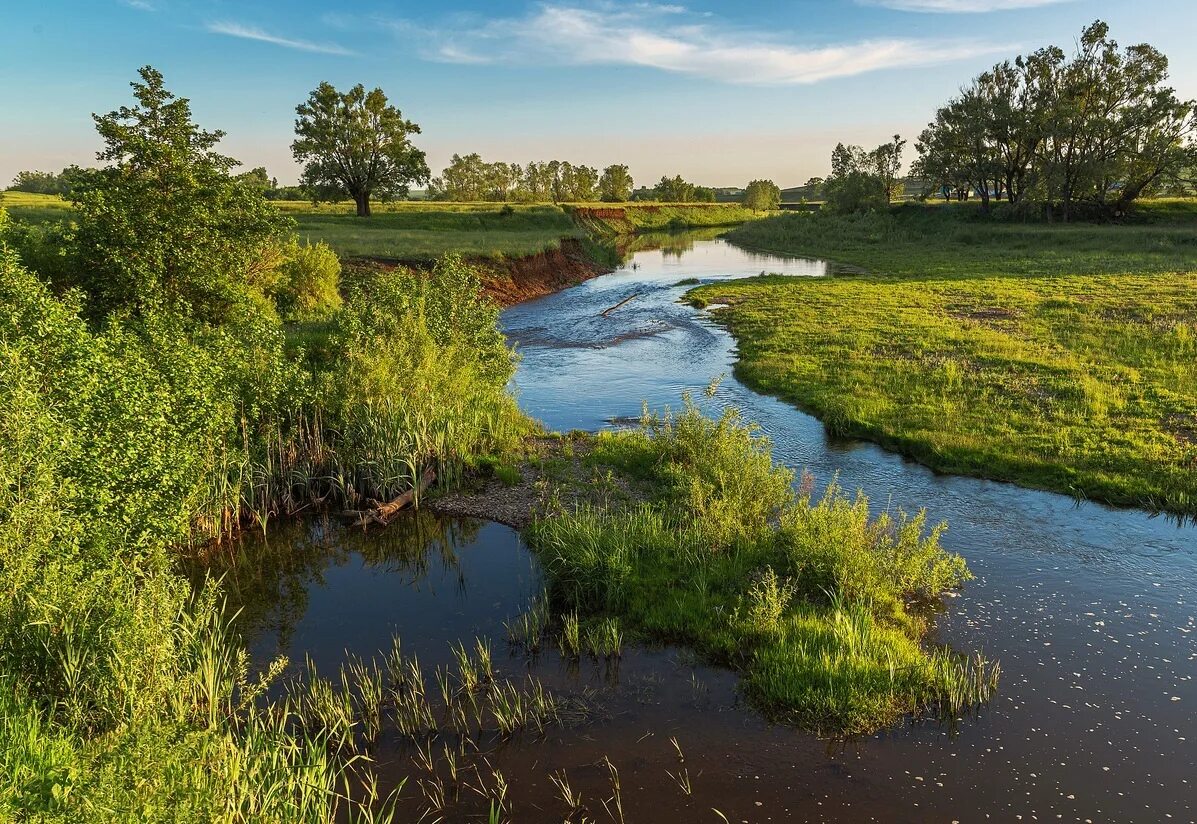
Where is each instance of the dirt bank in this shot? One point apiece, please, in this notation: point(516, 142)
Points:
point(533, 276)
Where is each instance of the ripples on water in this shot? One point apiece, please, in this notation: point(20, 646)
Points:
point(1089, 609)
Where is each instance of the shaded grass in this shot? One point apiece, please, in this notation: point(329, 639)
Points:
point(812, 599)
point(984, 354)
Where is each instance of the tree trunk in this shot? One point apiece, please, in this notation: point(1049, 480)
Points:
point(362, 199)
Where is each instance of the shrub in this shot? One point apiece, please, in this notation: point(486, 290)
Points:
point(309, 282)
point(855, 192)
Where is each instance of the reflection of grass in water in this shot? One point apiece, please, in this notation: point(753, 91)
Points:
point(266, 579)
point(673, 244)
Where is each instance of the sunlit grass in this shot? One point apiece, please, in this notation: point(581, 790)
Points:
point(1055, 357)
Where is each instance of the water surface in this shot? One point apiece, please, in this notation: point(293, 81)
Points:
point(1089, 609)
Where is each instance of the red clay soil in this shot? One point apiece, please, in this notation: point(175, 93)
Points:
point(510, 281)
point(519, 279)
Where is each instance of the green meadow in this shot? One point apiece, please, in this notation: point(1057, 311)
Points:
point(1058, 357)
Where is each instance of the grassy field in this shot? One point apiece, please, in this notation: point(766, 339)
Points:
point(422, 230)
point(1059, 357)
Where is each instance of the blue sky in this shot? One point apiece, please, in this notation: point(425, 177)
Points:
point(720, 92)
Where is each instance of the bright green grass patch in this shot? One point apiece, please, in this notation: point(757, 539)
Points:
point(36, 208)
point(621, 219)
point(1083, 384)
point(810, 598)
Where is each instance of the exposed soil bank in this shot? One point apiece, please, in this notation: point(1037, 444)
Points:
point(513, 280)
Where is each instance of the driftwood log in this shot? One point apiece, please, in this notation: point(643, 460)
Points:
point(382, 513)
point(629, 299)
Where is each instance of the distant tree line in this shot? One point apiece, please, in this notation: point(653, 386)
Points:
point(44, 183)
point(470, 178)
point(1094, 131)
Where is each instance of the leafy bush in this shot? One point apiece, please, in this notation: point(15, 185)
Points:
point(855, 192)
point(309, 281)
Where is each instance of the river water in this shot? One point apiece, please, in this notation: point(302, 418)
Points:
point(1090, 610)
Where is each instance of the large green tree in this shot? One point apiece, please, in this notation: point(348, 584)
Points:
point(762, 196)
point(356, 144)
point(1093, 131)
point(615, 185)
point(164, 225)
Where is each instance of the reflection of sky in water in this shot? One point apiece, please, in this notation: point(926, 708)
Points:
point(1089, 609)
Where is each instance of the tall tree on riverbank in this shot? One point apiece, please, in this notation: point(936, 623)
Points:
point(615, 185)
point(165, 225)
point(356, 144)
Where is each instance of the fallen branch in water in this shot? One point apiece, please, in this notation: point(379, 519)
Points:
point(607, 312)
point(382, 513)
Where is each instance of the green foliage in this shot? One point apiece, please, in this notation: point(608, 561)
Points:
point(42, 183)
point(155, 407)
point(854, 192)
point(810, 599)
point(615, 185)
point(470, 178)
point(674, 190)
point(1094, 132)
point(165, 226)
point(355, 144)
point(761, 196)
point(309, 281)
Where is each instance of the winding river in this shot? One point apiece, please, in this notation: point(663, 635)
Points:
point(1090, 610)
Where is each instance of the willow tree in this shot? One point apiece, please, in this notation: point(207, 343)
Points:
point(355, 144)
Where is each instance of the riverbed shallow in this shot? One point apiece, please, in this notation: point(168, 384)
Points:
point(1089, 609)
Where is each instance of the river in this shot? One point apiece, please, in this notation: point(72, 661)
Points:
point(1089, 609)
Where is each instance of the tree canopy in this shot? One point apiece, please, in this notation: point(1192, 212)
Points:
point(165, 225)
point(762, 196)
point(1098, 129)
point(356, 144)
point(615, 184)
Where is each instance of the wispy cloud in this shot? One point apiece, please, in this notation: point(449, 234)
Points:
point(671, 39)
point(960, 6)
point(254, 33)
point(140, 5)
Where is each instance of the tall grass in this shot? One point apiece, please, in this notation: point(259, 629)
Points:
point(816, 600)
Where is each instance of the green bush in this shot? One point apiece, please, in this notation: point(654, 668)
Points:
point(855, 192)
point(309, 281)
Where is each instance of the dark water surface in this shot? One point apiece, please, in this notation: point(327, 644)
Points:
point(1090, 611)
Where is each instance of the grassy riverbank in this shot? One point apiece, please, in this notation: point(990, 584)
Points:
point(1055, 357)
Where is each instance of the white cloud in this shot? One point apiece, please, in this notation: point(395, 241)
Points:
point(670, 39)
point(140, 5)
point(253, 33)
point(960, 6)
